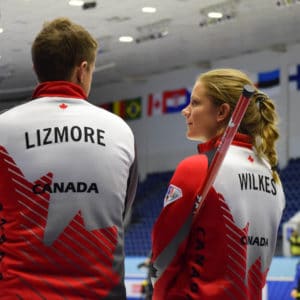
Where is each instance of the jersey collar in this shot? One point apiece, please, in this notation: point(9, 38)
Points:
point(240, 139)
point(63, 89)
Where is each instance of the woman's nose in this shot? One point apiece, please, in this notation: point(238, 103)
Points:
point(185, 112)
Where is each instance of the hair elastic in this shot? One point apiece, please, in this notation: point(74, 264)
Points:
point(260, 97)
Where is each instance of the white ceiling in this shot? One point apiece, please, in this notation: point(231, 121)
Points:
point(258, 24)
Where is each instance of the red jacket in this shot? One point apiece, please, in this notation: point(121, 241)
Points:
point(227, 252)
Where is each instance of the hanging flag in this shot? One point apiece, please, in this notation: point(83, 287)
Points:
point(268, 79)
point(294, 76)
point(107, 106)
point(128, 109)
point(118, 108)
point(293, 107)
point(133, 109)
point(268, 82)
point(155, 105)
point(175, 101)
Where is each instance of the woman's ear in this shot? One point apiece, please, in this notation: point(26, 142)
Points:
point(223, 112)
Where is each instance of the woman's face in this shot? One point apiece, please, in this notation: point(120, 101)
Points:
point(203, 117)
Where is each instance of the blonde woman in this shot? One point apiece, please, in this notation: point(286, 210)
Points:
point(227, 251)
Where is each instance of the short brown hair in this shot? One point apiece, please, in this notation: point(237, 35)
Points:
point(59, 47)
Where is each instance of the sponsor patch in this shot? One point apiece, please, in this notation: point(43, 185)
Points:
point(173, 193)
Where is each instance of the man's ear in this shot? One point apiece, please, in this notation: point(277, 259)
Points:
point(81, 71)
point(223, 112)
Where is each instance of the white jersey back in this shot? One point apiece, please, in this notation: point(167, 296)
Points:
point(69, 163)
point(254, 195)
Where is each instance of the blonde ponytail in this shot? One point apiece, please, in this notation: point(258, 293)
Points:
point(269, 134)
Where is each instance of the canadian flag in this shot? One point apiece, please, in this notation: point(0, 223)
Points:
point(155, 105)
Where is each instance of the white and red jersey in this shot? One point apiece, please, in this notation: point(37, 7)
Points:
point(226, 253)
point(67, 178)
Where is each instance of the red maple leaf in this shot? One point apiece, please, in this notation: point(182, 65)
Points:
point(157, 104)
point(63, 106)
point(78, 263)
point(236, 265)
point(250, 158)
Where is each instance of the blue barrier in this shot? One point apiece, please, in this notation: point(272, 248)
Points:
point(279, 281)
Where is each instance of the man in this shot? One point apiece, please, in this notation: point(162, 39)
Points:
point(67, 180)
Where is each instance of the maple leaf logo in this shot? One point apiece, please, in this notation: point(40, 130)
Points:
point(63, 106)
point(83, 259)
point(237, 265)
point(250, 158)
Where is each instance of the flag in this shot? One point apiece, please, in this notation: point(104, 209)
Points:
point(294, 76)
point(118, 108)
point(128, 109)
point(155, 105)
point(175, 101)
point(292, 106)
point(269, 83)
point(107, 106)
point(168, 102)
point(268, 79)
point(133, 109)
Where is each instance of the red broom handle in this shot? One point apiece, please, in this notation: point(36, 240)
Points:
point(223, 147)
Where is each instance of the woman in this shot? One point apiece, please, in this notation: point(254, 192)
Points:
point(227, 251)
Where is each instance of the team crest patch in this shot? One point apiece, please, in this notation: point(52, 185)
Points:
point(173, 193)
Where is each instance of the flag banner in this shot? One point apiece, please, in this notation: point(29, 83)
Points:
point(168, 102)
point(294, 77)
point(268, 82)
point(293, 106)
point(175, 101)
point(118, 108)
point(128, 109)
point(133, 108)
point(268, 79)
point(155, 105)
point(107, 106)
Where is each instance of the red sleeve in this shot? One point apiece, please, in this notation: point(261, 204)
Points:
point(178, 203)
